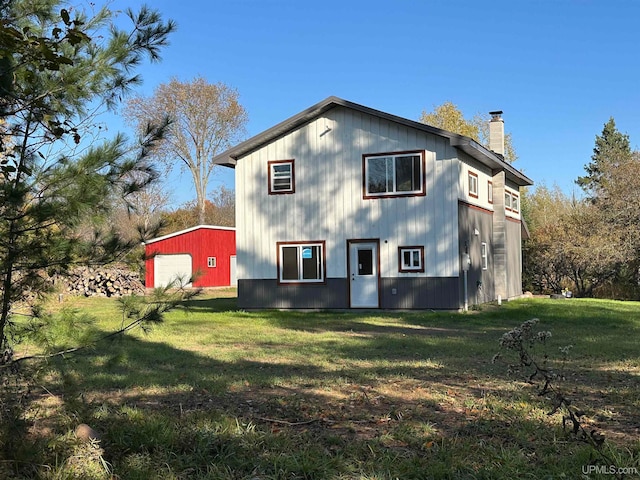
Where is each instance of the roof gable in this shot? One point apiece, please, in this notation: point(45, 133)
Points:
point(188, 230)
point(468, 145)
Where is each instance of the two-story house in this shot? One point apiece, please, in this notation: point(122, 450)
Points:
point(343, 206)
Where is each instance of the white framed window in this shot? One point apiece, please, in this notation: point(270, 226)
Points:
point(473, 184)
point(301, 262)
point(507, 201)
point(211, 262)
point(512, 202)
point(410, 259)
point(281, 177)
point(484, 255)
point(393, 174)
point(490, 191)
point(515, 203)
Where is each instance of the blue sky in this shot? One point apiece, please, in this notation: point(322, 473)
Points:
point(559, 69)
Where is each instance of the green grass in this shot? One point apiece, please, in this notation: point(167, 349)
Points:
point(217, 393)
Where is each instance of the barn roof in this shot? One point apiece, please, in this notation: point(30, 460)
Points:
point(485, 156)
point(187, 230)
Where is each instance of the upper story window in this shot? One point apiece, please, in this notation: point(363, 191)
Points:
point(507, 200)
point(515, 203)
point(511, 202)
point(490, 191)
point(301, 262)
point(411, 259)
point(473, 184)
point(393, 174)
point(281, 177)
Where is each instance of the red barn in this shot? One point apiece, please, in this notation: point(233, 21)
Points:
point(207, 252)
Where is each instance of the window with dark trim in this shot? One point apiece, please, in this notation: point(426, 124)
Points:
point(515, 203)
point(512, 202)
point(490, 191)
point(507, 201)
point(281, 177)
point(410, 259)
point(393, 174)
point(301, 262)
point(473, 184)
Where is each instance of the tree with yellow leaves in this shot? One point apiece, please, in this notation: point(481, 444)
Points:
point(449, 117)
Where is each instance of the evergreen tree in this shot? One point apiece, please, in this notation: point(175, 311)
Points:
point(611, 150)
point(58, 67)
point(611, 184)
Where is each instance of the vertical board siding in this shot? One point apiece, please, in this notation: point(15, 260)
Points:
point(201, 243)
point(328, 201)
point(480, 283)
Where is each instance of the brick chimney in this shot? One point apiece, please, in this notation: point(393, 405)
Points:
point(496, 132)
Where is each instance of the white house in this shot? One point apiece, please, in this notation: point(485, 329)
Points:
point(343, 206)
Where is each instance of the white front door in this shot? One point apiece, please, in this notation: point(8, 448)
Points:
point(363, 273)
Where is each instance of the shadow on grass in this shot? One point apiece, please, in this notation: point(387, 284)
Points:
point(219, 304)
point(376, 408)
point(221, 428)
point(391, 344)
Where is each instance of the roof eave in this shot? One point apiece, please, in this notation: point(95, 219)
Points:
point(229, 158)
point(187, 230)
point(466, 144)
point(490, 159)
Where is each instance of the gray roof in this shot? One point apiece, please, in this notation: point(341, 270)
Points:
point(468, 145)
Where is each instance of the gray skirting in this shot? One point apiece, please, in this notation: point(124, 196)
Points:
point(439, 293)
point(395, 293)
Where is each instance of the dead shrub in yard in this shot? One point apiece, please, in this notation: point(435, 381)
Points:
point(535, 367)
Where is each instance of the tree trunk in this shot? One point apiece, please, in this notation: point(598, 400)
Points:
point(12, 238)
point(201, 209)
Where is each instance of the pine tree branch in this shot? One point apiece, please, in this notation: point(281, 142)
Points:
point(150, 316)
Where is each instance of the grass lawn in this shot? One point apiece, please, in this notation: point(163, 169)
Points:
point(218, 393)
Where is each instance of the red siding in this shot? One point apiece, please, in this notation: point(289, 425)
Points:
point(200, 243)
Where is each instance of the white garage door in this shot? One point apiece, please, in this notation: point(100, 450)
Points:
point(172, 269)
